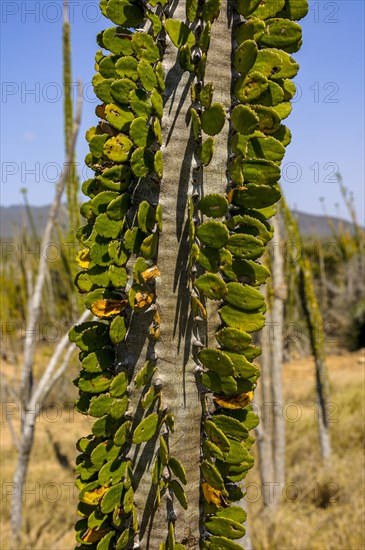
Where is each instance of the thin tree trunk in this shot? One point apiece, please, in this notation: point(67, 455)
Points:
point(315, 328)
point(277, 318)
point(316, 333)
point(26, 439)
point(34, 307)
point(264, 430)
point(26, 444)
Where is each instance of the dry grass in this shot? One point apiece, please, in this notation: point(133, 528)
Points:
point(323, 508)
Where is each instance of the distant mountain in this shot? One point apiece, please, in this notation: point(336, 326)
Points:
point(14, 218)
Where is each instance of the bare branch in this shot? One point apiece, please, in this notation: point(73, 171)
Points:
point(35, 303)
point(51, 375)
point(8, 419)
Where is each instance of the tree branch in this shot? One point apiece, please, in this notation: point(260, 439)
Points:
point(50, 377)
point(34, 308)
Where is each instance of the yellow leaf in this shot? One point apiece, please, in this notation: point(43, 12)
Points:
point(151, 273)
point(143, 299)
point(235, 402)
point(155, 327)
point(198, 307)
point(231, 193)
point(92, 535)
point(83, 258)
point(213, 496)
point(106, 308)
point(93, 497)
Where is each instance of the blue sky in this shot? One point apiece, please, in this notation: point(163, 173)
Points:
point(327, 122)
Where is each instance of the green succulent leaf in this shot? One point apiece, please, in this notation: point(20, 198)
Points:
point(244, 119)
point(119, 117)
point(141, 103)
point(119, 385)
point(268, 8)
point(216, 361)
point(265, 148)
point(178, 469)
point(268, 62)
point(245, 56)
point(233, 339)
point(251, 86)
point(206, 95)
point(244, 297)
point(179, 493)
point(146, 429)
point(158, 163)
point(235, 318)
point(234, 512)
point(216, 435)
point(213, 234)
point(122, 434)
point(212, 475)
point(117, 41)
point(120, 91)
point(246, 7)
point(256, 196)
point(145, 374)
point(106, 542)
point(112, 498)
point(219, 384)
point(149, 246)
point(230, 427)
point(126, 66)
point(206, 151)
point(142, 162)
point(145, 47)
point(212, 286)
point(252, 29)
point(281, 33)
point(213, 205)
point(124, 13)
point(99, 360)
point(118, 148)
point(225, 527)
point(213, 119)
point(179, 33)
point(245, 246)
point(211, 10)
point(294, 9)
point(243, 367)
point(100, 405)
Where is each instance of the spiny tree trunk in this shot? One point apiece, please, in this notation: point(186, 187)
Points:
point(317, 338)
point(72, 181)
point(163, 250)
point(264, 432)
point(315, 327)
point(277, 319)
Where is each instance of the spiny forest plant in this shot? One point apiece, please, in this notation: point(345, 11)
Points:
point(187, 158)
point(72, 187)
point(300, 264)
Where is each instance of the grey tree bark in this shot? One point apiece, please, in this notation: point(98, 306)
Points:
point(174, 351)
point(277, 319)
point(264, 431)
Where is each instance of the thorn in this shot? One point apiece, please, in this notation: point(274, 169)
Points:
point(197, 343)
point(198, 369)
point(152, 307)
point(198, 319)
